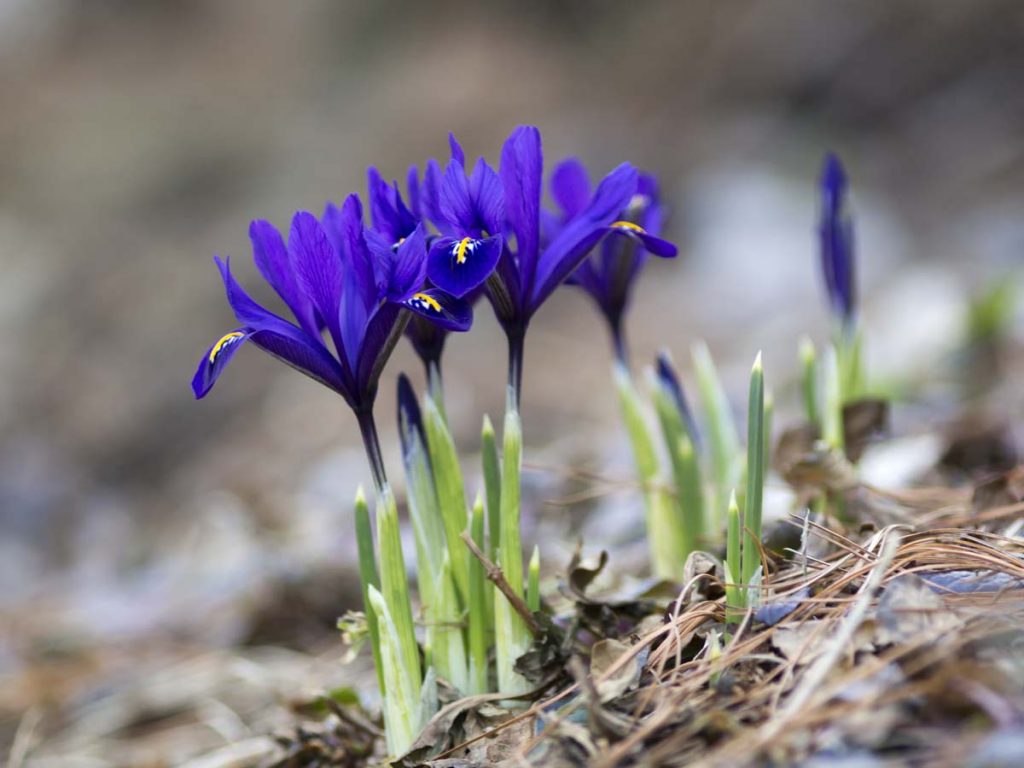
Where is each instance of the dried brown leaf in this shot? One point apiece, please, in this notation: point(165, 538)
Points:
point(603, 657)
point(910, 610)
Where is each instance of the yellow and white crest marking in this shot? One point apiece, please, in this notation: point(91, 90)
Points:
point(465, 246)
point(425, 301)
point(628, 225)
point(223, 342)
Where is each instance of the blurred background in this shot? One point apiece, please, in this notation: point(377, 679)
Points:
point(170, 571)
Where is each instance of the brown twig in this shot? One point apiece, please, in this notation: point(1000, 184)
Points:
point(494, 574)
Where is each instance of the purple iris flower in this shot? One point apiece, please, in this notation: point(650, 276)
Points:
point(608, 275)
point(836, 233)
point(336, 277)
point(392, 221)
point(500, 217)
point(470, 212)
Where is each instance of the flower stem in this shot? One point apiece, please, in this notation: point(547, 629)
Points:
point(516, 340)
point(435, 386)
point(619, 343)
point(368, 429)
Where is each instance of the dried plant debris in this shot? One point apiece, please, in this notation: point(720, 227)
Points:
point(979, 444)
point(875, 655)
point(909, 611)
point(894, 644)
point(897, 646)
point(864, 422)
point(338, 740)
point(807, 463)
point(1001, 490)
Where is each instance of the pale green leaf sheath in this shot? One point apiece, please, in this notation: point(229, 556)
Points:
point(450, 492)
point(809, 381)
point(478, 619)
point(450, 646)
point(723, 436)
point(400, 635)
point(401, 693)
point(492, 486)
point(735, 596)
point(688, 520)
point(428, 533)
point(512, 638)
point(368, 576)
point(755, 472)
point(662, 518)
point(832, 427)
point(690, 483)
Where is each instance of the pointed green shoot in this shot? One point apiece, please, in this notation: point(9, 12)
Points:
point(450, 492)
point(512, 637)
point(755, 473)
point(492, 486)
point(735, 596)
point(809, 381)
point(479, 621)
point(723, 436)
point(533, 581)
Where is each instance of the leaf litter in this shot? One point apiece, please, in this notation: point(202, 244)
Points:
point(894, 639)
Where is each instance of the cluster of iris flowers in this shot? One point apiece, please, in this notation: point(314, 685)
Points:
point(415, 268)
